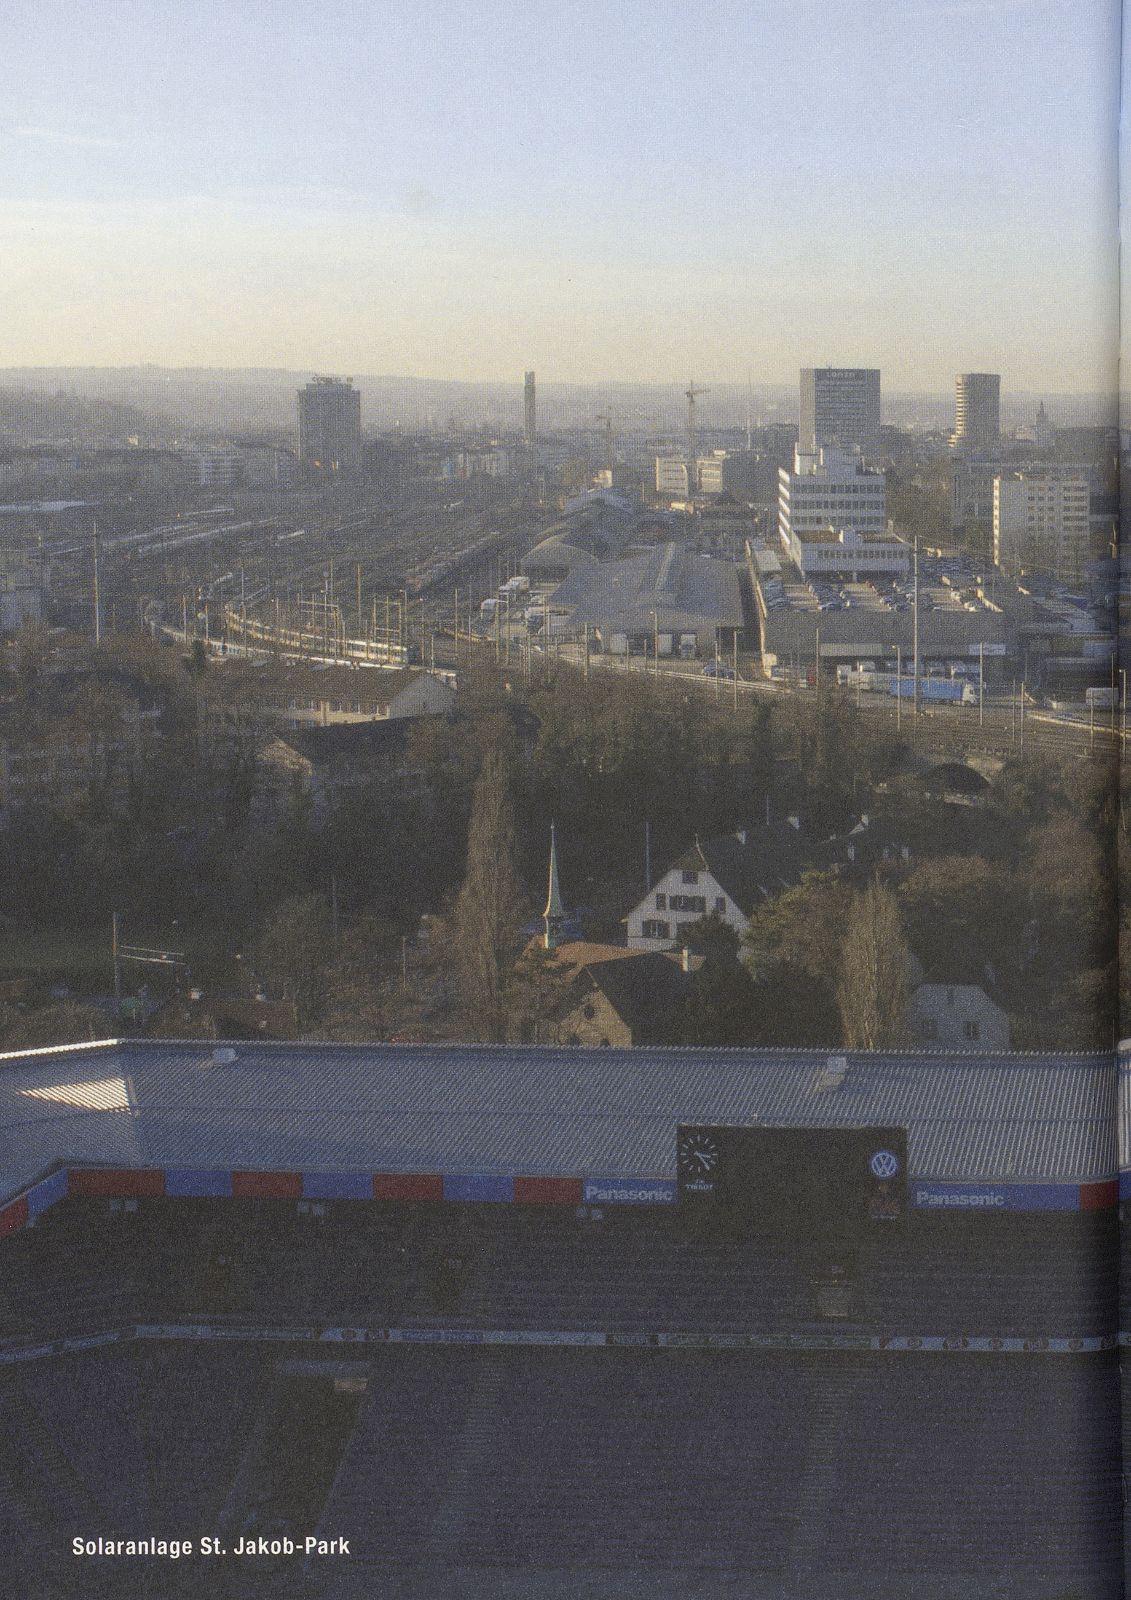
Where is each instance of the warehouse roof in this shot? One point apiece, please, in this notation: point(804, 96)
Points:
point(682, 590)
point(535, 1110)
point(595, 528)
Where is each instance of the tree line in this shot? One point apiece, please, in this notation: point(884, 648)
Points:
point(1017, 895)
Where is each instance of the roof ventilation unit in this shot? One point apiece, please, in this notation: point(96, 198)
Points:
point(832, 1074)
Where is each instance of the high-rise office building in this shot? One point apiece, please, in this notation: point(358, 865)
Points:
point(973, 478)
point(831, 517)
point(329, 425)
point(1041, 525)
point(530, 415)
point(977, 412)
point(840, 410)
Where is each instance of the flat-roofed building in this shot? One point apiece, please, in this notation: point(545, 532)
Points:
point(717, 473)
point(972, 483)
point(1041, 525)
point(671, 476)
point(977, 411)
point(529, 410)
point(249, 466)
point(831, 516)
point(840, 407)
point(329, 425)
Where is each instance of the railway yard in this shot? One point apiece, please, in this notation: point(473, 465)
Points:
point(384, 567)
point(383, 576)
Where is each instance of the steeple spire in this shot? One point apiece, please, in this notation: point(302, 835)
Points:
point(554, 914)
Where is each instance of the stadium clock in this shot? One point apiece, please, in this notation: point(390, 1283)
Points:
point(698, 1154)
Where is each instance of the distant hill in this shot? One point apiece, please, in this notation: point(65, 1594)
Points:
point(258, 399)
point(31, 415)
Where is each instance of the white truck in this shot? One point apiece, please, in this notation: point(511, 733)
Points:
point(1101, 699)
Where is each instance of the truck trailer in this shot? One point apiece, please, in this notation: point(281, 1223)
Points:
point(950, 691)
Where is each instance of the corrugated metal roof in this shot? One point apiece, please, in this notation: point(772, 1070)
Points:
point(543, 1111)
point(1125, 1106)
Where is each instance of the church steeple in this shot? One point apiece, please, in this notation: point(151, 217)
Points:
point(554, 914)
point(1043, 432)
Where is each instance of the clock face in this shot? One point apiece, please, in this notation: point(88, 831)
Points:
point(698, 1154)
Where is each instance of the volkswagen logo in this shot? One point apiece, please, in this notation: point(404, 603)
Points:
point(884, 1164)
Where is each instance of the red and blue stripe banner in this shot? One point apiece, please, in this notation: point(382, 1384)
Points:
point(150, 1183)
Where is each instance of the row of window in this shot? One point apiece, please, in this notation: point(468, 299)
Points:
point(838, 497)
point(690, 902)
point(658, 928)
point(358, 707)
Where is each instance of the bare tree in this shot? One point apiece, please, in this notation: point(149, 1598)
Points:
point(293, 952)
point(489, 907)
point(874, 987)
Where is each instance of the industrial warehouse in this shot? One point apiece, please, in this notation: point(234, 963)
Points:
point(956, 612)
point(665, 601)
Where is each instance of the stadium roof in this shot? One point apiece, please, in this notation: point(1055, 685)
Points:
point(1125, 1106)
point(542, 1111)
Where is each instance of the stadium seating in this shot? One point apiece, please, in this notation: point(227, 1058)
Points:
point(944, 1461)
point(526, 1268)
point(90, 1406)
point(506, 1462)
point(25, 1519)
point(390, 1485)
point(197, 1412)
point(583, 1461)
point(630, 1436)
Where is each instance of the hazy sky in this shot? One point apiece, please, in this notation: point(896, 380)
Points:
point(733, 188)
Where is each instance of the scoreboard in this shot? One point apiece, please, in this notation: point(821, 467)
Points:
point(816, 1181)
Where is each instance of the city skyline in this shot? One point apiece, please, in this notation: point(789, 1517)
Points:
point(236, 400)
point(930, 190)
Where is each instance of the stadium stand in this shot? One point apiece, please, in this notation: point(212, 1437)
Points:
point(519, 1356)
point(414, 1266)
point(984, 1485)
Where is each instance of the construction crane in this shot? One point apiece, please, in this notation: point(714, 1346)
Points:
point(607, 418)
point(691, 394)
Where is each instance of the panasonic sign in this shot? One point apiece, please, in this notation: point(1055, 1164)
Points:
point(629, 1192)
point(980, 1199)
point(996, 1197)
